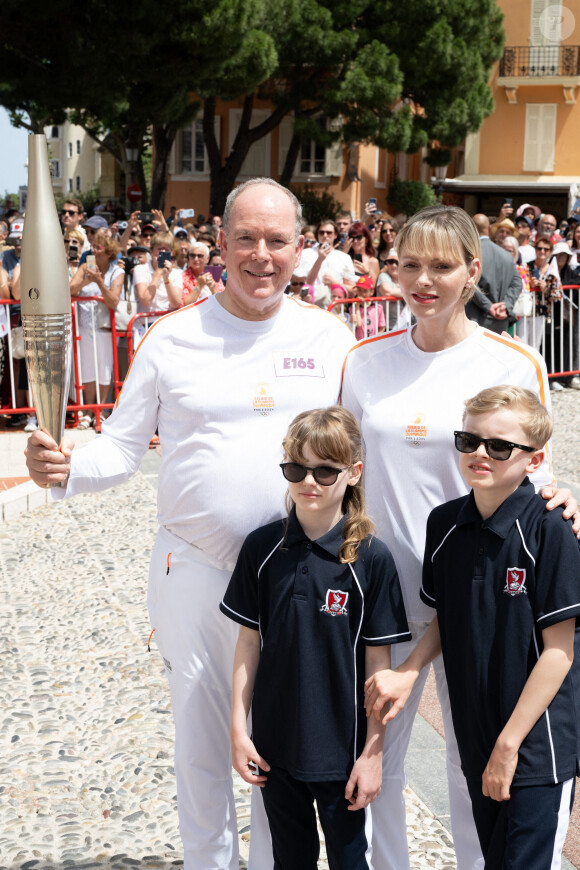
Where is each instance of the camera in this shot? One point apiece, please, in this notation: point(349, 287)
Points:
point(130, 263)
point(163, 258)
point(73, 252)
point(187, 213)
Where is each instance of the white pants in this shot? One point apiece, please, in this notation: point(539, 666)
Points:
point(197, 645)
point(390, 849)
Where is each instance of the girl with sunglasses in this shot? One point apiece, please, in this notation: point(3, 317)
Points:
point(318, 600)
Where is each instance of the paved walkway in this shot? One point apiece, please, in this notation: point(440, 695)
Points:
point(86, 777)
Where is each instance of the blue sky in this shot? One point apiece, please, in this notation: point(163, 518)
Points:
point(13, 155)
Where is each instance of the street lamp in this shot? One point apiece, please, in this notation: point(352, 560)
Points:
point(439, 178)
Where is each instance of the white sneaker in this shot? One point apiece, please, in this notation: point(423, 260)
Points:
point(575, 383)
point(556, 386)
point(31, 423)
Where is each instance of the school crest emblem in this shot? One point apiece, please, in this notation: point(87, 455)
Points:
point(515, 581)
point(335, 603)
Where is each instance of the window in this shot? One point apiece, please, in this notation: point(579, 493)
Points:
point(78, 146)
point(55, 132)
point(188, 155)
point(257, 162)
point(70, 149)
point(313, 155)
point(545, 34)
point(70, 185)
point(540, 140)
point(314, 161)
point(55, 168)
point(78, 182)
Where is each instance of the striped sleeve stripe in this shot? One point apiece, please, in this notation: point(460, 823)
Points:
point(442, 542)
point(388, 636)
point(148, 333)
point(521, 348)
point(360, 344)
point(430, 597)
point(239, 615)
point(561, 610)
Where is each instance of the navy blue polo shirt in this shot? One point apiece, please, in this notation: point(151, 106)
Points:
point(315, 616)
point(496, 584)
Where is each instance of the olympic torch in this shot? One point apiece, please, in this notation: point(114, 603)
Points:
point(45, 296)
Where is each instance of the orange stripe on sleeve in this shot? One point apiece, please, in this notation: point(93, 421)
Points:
point(361, 343)
point(148, 333)
point(521, 348)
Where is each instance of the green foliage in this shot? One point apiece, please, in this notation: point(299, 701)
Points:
point(316, 204)
point(400, 75)
point(409, 197)
point(438, 157)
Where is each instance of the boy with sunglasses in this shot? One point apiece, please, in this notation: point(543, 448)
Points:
point(504, 576)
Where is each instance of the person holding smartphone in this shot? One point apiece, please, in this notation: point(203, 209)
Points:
point(198, 283)
point(325, 265)
point(157, 284)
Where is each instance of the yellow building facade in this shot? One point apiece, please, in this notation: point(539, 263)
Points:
point(529, 148)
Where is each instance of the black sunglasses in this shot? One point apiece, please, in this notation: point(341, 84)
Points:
point(325, 475)
point(68, 211)
point(392, 262)
point(496, 448)
point(356, 238)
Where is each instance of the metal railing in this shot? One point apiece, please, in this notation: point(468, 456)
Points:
point(540, 61)
point(555, 335)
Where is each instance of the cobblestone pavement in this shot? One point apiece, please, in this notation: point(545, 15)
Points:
point(86, 776)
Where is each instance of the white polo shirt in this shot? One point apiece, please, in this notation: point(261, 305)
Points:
point(222, 392)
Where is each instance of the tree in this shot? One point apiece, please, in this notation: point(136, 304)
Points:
point(409, 197)
point(396, 74)
point(400, 75)
point(125, 73)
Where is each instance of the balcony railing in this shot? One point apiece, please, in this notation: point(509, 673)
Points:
point(550, 61)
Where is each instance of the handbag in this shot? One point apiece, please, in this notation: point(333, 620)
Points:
point(124, 312)
point(524, 304)
point(17, 337)
point(103, 316)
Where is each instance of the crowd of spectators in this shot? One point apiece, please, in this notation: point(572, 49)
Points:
point(149, 263)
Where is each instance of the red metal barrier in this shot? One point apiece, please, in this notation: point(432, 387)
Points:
point(558, 340)
point(76, 405)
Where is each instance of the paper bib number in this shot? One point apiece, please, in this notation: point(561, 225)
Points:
point(290, 365)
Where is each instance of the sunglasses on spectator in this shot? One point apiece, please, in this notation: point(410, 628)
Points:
point(297, 283)
point(388, 230)
point(356, 238)
point(496, 448)
point(325, 232)
point(392, 262)
point(543, 248)
point(308, 242)
point(69, 211)
point(325, 475)
point(196, 256)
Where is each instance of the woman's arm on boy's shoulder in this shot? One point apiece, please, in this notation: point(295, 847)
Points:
point(540, 688)
point(394, 687)
point(244, 753)
point(562, 497)
point(367, 773)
